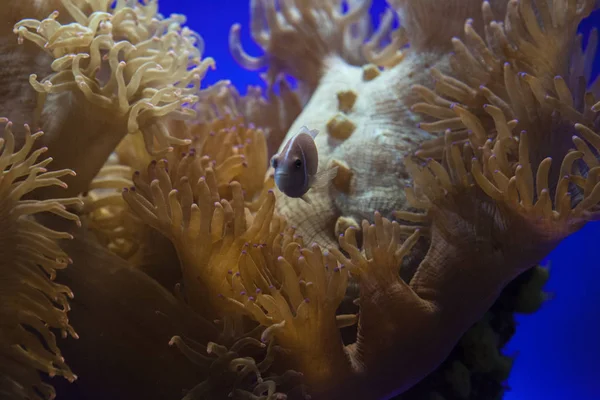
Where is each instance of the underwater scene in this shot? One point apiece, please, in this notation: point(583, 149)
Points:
point(299, 199)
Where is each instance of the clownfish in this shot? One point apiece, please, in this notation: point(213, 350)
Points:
point(297, 163)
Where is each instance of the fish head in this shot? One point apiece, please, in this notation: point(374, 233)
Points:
point(296, 164)
point(290, 175)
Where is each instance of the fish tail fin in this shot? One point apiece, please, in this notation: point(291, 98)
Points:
point(322, 179)
point(305, 198)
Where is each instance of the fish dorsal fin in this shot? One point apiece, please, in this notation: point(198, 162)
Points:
point(322, 178)
point(312, 132)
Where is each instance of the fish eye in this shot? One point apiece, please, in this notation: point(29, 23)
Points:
point(298, 163)
point(274, 163)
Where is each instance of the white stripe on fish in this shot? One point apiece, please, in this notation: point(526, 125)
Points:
point(296, 166)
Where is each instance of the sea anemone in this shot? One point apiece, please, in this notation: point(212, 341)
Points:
point(126, 65)
point(33, 304)
point(232, 375)
point(458, 172)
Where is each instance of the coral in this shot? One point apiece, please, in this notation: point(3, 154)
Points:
point(18, 99)
point(103, 207)
point(274, 114)
point(125, 320)
point(297, 303)
point(231, 375)
point(207, 231)
point(299, 36)
point(366, 130)
point(193, 185)
point(220, 141)
point(502, 219)
point(33, 304)
point(467, 149)
point(123, 61)
point(477, 368)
